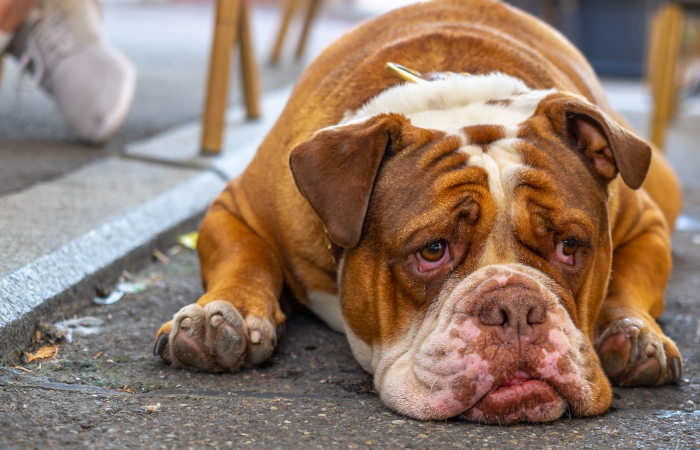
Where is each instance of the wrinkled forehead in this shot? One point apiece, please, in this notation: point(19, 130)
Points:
point(486, 139)
point(480, 115)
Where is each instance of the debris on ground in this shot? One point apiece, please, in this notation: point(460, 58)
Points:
point(152, 408)
point(188, 240)
point(44, 353)
point(129, 287)
point(160, 256)
point(122, 288)
point(113, 297)
point(81, 326)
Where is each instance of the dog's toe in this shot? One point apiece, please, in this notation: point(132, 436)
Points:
point(187, 346)
point(634, 355)
point(263, 339)
point(227, 334)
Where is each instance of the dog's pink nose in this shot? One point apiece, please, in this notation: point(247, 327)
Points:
point(515, 312)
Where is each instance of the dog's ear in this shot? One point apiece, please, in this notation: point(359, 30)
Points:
point(609, 147)
point(335, 171)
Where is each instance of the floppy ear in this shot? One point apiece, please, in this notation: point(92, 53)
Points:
point(335, 171)
point(609, 147)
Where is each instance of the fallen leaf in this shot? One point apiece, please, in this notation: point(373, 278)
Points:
point(97, 355)
point(45, 352)
point(126, 389)
point(188, 240)
point(23, 369)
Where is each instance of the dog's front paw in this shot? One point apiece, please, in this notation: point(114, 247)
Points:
point(215, 338)
point(632, 354)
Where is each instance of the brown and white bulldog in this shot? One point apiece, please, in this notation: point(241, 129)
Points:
point(468, 232)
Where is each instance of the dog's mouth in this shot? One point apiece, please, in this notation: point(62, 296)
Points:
point(520, 398)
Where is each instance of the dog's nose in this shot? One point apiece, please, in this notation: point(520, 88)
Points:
point(515, 312)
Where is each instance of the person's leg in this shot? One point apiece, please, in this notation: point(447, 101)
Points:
point(61, 44)
point(12, 14)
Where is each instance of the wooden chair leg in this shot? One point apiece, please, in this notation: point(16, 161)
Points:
point(249, 65)
point(225, 31)
point(310, 14)
point(665, 60)
point(284, 26)
point(653, 52)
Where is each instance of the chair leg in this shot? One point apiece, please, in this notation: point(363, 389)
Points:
point(284, 26)
point(310, 14)
point(669, 25)
point(249, 65)
point(225, 31)
point(653, 52)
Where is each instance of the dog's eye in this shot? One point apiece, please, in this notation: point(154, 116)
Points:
point(566, 250)
point(432, 255)
point(434, 251)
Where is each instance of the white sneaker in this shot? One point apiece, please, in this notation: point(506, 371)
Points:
point(91, 82)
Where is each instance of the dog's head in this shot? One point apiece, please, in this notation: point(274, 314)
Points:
point(473, 220)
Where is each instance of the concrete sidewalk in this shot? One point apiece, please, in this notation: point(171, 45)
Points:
point(64, 250)
point(74, 216)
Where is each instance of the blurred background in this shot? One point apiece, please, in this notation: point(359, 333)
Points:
point(170, 44)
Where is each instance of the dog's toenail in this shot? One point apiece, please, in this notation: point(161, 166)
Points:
point(160, 344)
point(255, 337)
point(216, 320)
point(186, 323)
point(676, 369)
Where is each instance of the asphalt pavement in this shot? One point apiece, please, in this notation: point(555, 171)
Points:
point(76, 220)
point(105, 389)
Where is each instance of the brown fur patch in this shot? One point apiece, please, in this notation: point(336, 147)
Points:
point(484, 134)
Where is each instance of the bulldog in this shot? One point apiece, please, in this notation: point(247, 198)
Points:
point(491, 238)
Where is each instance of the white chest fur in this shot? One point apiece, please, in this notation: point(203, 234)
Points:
point(327, 307)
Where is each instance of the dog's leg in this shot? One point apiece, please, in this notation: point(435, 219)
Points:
point(237, 321)
point(632, 347)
